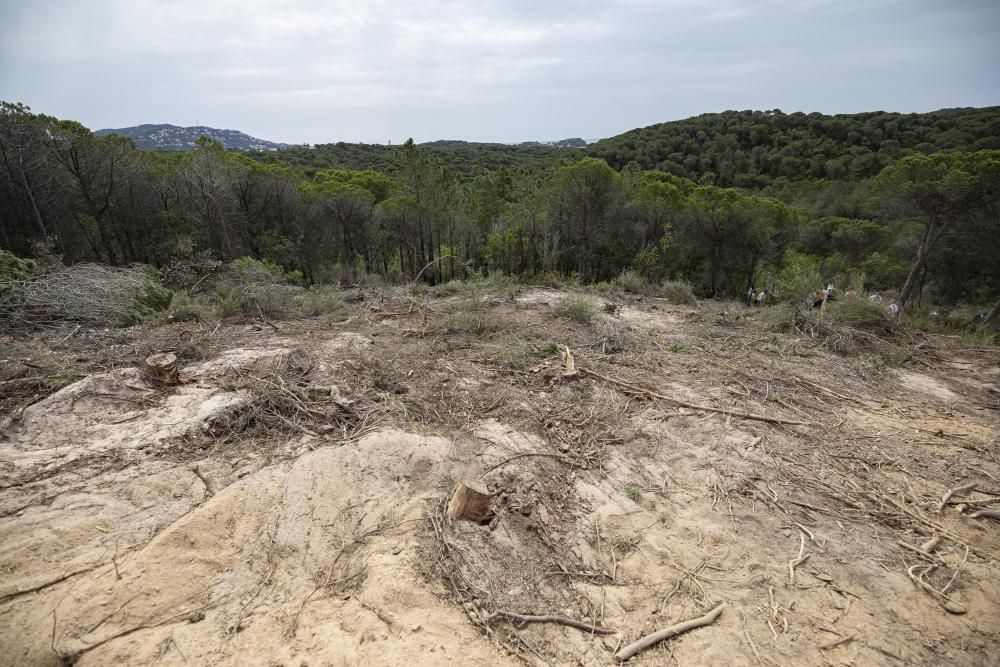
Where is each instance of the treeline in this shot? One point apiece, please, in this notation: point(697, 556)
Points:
point(934, 228)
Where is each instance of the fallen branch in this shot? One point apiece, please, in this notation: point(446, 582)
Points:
point(428, 265)
point(71, 333)
point(548, 618)
point(926, 554)
point(948, 494)
point(986, 514)
point(692, 406)
point(666, 633)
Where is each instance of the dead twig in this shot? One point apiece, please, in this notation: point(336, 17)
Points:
point(927, 554)
point(986, 514)
point(830, 392)
point(549, 618)
point(959, 569)
point(71, 333)
point(641, 645)
point(795, 562)
point(965, 488)
point(949, 604)
point(937, 527)
point(691, 406)
point(746, 633)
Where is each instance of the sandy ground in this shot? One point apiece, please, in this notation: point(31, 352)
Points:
point(135, 531)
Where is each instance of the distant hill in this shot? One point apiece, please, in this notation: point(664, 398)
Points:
point(174, 138)
point(575, 142)
point(755, 149)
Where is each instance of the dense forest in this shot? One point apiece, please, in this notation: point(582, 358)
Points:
point(753, 149)
point(464, 158)
point(925, 224)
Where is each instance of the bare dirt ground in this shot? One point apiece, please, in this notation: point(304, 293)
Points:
point(286, 504)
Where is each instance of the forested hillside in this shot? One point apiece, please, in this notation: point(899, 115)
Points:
point(752, 149)
point(925, 226)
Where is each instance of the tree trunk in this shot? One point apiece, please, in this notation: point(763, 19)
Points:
point(994, 314)
point(911, 280)
point(31, 199)
point(930, 236)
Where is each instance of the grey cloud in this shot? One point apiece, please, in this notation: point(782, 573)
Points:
point(312, 71)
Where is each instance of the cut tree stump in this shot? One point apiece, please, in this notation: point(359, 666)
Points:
point(470, 501)
point(162, 367)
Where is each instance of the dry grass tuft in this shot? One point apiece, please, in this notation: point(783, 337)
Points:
point(577, 307)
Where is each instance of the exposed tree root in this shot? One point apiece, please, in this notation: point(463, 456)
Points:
point(549, 618)
point(666, 633)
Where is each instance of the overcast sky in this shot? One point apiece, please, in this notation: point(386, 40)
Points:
point(314, 71)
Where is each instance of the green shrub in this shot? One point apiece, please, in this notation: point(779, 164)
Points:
point(548, 279)
point(607, 287)
point(962, 320)
point(634, 283)
point(152, 298)
point(860, 314)
point(678, 292)
point(789, 317)
point(320, 300)
point(503, 286)
point(577, 307)
point(191, 270)
point(13, 268)
point(649, 264)
point(45, 257)
point(230, 303)
point(274, 301)
point(471, 322)
point(252, 270)
point(800, 276)
point(450, 288)
point(515, 355)
point(550, 349)
point(184, 308)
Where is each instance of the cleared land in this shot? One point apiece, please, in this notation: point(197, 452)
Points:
point(285, 504)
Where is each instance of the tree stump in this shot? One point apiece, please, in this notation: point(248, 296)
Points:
point(162, 367)
point(470, 501)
